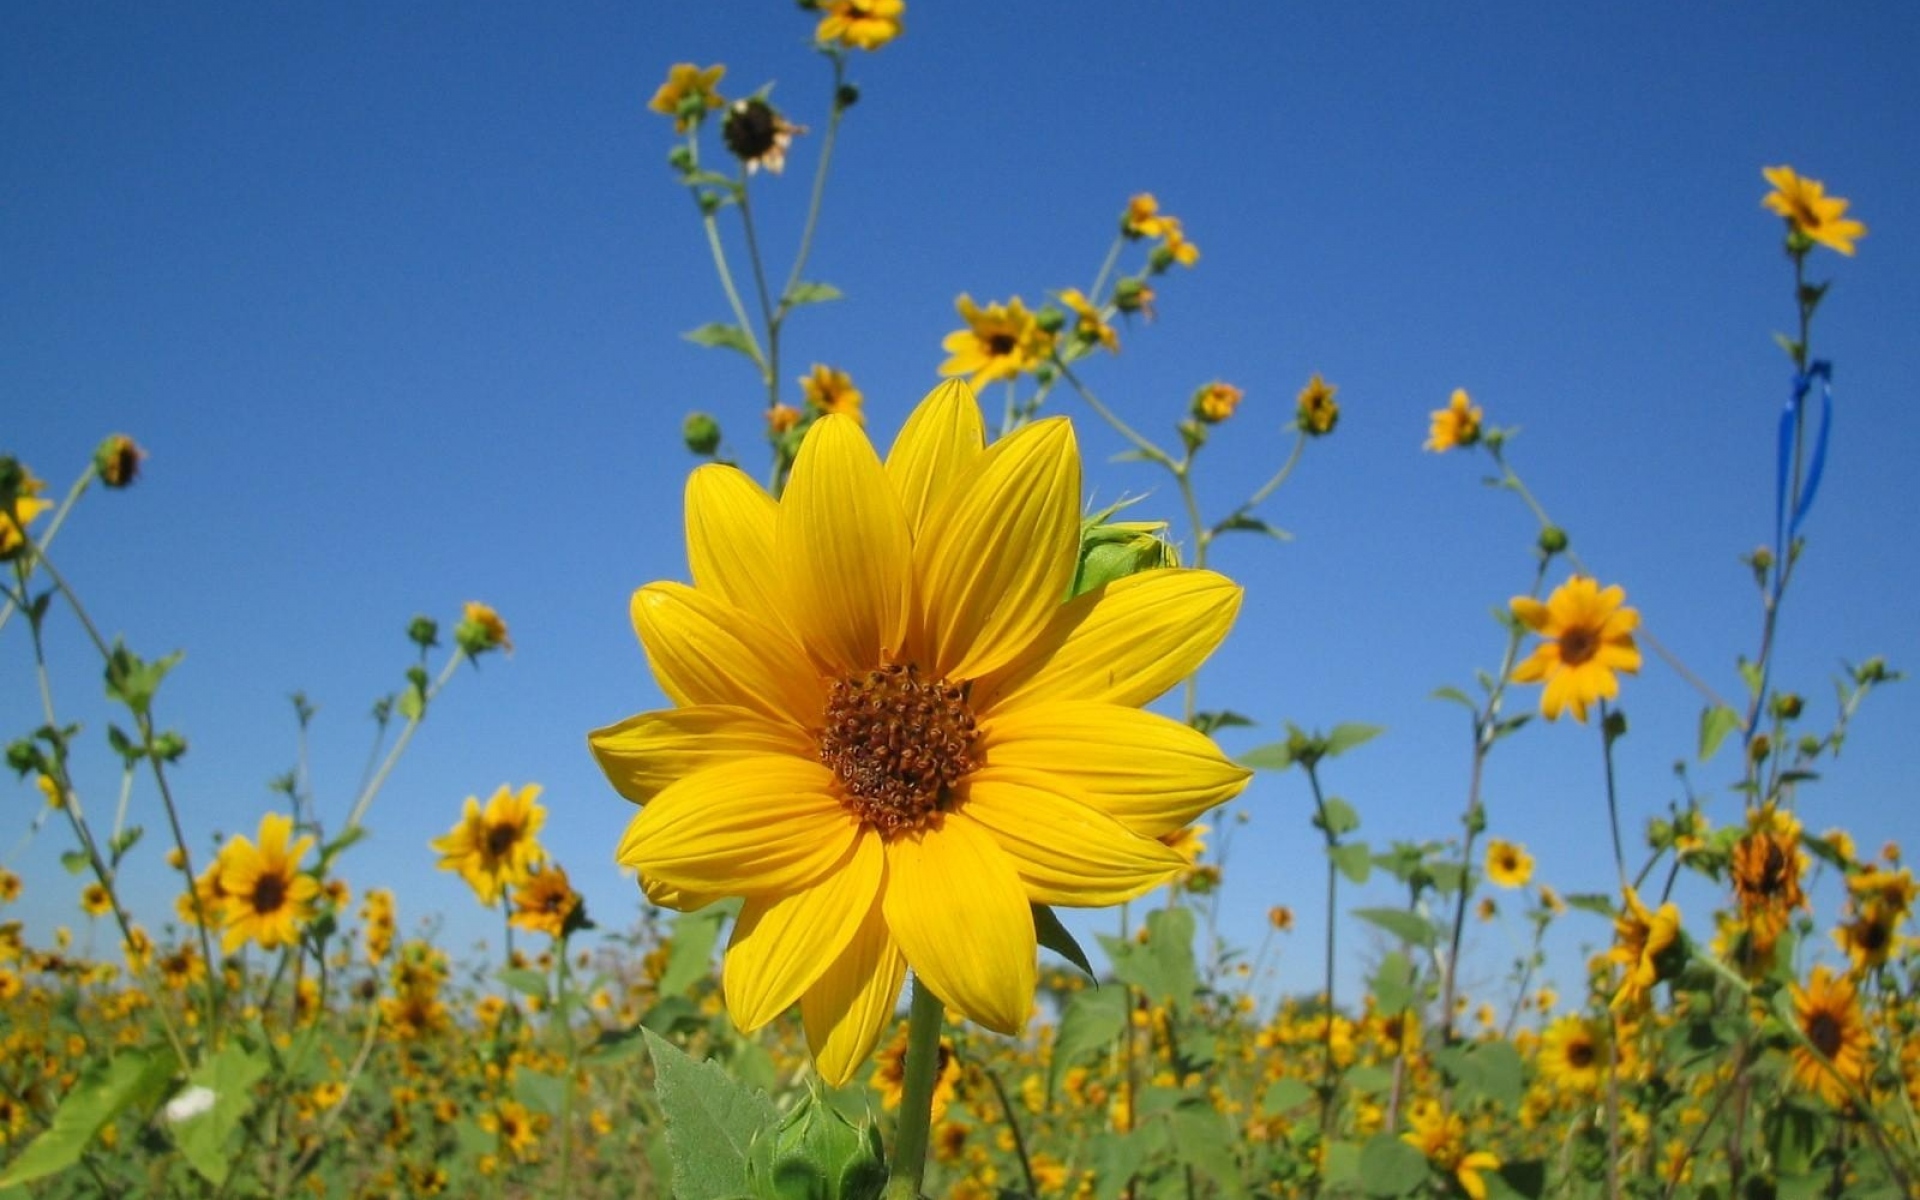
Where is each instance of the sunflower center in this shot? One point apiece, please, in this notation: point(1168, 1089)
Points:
point(269, 893)
point(898, 744)
point(1577, 645)
point(1824, 1032)
point(999, 345)
point(500, 839)
point(1580, 1055)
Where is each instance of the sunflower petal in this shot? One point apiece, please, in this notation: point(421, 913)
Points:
point(1151, 773)
point(679, 899)
point(960, 914)
point(643, 754)
point(942, 438)
point(1000, 551)
point(845, 1011)
point(782, 944)
point(754, 826)
point(730, 521)
point(1067, 852)
point(1124, 643)
point(842, 546)
point(703, 650)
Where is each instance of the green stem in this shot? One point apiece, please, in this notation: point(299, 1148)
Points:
point(819, 181)
point(1152, 452)
point(767, 313)
point(1106, 268)
point(1013, 1127)
point(916, 1095)
point(1613, 799)
point(45, 539)
point(1333, 888)
point(400, 744)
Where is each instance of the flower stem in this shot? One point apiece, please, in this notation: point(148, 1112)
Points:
point(916, 1095)
point(819, 181)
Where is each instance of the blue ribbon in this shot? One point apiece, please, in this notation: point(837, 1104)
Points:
point(1788, 511)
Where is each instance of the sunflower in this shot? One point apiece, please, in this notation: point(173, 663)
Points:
point(517, 1129)
point(688, 94)
point(20, 504)
point(1458, 424)
point(1000, 342)
point(1871, 937)
point(1143, 217)
point(1828, 1014)
point(1089, 325)
point(1508, 863)
point(1647, 944)
point(861, 24)
point(1442, 1137)
point(1215, 402)
point(1316, 411)
point(1589, 636)
point(1573, 1054)
point(267, 896)
point(893, 738)
point(890, 1074)
point(1810, 211)
point(95, 900)
point(831, 391)
point(546, 902)
point(495, 849)
point(1767, 867)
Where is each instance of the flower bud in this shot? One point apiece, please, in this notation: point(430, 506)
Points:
point(481, 630)
point(680, 158)
point(701, 434)
point(846, 96)
point(817, 1154)
point(424, 632)
point(117, 459)
point(1787, 706)
point(1113, 550)
point(1553, 540)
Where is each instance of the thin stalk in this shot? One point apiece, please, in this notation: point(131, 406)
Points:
point(827, 140)
point(767, 313)
point(563, 1013)
point(1613, 801)
point(916, 1095)
point(1013, 1127)
point(400, 744)
point(1333, 887)
point(1106, 268)
point(46, 537)
point(1152, 452)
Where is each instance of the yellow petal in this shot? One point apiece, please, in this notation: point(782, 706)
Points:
point(997, 556)
point(853, 1001)
point(961, 917)
point(730, 522)
point(705, 651)
point(1124, 643)
point(1067, 852)
point(679, 899)
point(942, 438)
point(782, 944)
point(1530, 612)
point(643, 754)
point(1151, 773)
point(754, 826)
point(843, 550)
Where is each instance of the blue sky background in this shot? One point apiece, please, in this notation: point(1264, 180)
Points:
point(393, 296)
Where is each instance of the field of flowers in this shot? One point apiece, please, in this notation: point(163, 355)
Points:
point(909, 691)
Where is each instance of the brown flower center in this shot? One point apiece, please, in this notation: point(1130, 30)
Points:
point(500, 839)
point(1577, 645)
point(999, 345)
point(898, 744)
point(1824, 1032)
point(269, 894)
point(1580, 1055)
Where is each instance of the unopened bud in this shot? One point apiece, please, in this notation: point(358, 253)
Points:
point(1553, 540)
point(817, 1154)
point(424, 632)
point(701, 434)
point(117, 459)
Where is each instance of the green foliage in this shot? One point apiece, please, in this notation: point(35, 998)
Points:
point(712, 1121)
point(206, 1139)
point(131, 1079)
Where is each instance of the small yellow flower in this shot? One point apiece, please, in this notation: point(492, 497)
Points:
point(1174, 246)
point(1280, 917)
point(1828, 1013)
point(1143, 217)
point(1089, 325)
point(1810, 211)
point(9, 886)
point(1442, 1137)
point(1215, 402)
point(1508, 863)
point(1317, 411)
point(95, 900)
point(50, 789)
point(1000, 342)
point(782, 418)
point(495, 849)
point(481, 629)
point(117, 461)
point(827, 390)
point(1589, 636)
point(1573, 1054)
point(1458, 424)
point(688, 94)
point(860, 24)
point(1647, 944)
point(267, 896)
point(20, 504)
point(545, 902)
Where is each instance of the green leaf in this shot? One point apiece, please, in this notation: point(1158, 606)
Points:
point(729, 337)
point(1284, 1096)
point(1391, 1167)
point(1203, 1141)
point(1593, 902)
point(690, 956)
point(1090, 1021)
point(1243, 523)
point(1752, 676)
point(711, 1123)
point(811, 293)
point(1408, 927)
point(1393, 982)
point(1213, 722)
point(124, 841)
point(1354, 860)
point(1336, 817)
point(1274, 756)
point(540, 1092)
point(204, 1137)
point(75, 861)
point(525, 980)
point(1347, 735)
point(1055, 937)
point(1456, 695)
point(1490, 1069)
point(1163, 966)
point(105, 1090)
point(1715, 724)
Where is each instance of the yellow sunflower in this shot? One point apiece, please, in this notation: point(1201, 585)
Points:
point(1589, 636)
point(545, 902)
point(1767, 866)
point(1088, 323)
point(95, 900)
point(1812, 213)
point(495, 849)
point(21, 493)
point(1317, 412)
point(831, 391)
point(266, 895)
point(1647, 944)
point(1143, 217)
point(861, 24)
point(1508, 863)
point(688, 94)
point(1573, 1054)
point(1442, 1137)
point(1000, 342)
point(1458, 424)
point(1828, 1013)
point(1215, 402)
point(893, 738)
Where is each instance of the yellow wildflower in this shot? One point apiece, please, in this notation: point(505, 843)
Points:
point(1589, 636)
point(861, 24)
point(1317, 411)
point(1508, 863)
point(267, 896)
point(1827, 1011)
point(495, 849)
point(1215, 402)
point(828, 390)
point(1458, 424)
point(688, 94)
point(1000, 342)
point(1810, 211)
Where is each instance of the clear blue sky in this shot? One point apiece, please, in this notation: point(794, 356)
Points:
point(393, 296)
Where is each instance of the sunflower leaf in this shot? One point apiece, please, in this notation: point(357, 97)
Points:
point(812, 293)
point(1348, 734)
point(105, 1089)
point(711, 1123)
point(730, 337)
point(1090, 1021)
point(1408, 927)
point(1055, 937)
point(203, 1138)
point(1391, 1167)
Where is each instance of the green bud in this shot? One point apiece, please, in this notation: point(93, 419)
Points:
point(817, 1154)
point(424, 632)
point(1809, 746)
point(1553, 540)
point(1159, 260)
point(846, 96)
point(1050, 319)
point(117, 460)
point(680, 158)
point(1130, 294)
point(169, 747)
point(1874, 670)
point(1787, 706)
point(1614, 727)
point(1111, 550)
point(23, 756)
point(701, 434)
